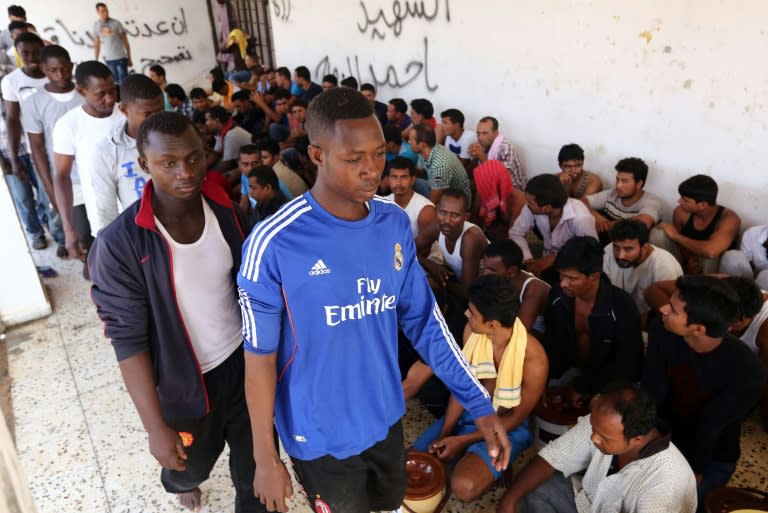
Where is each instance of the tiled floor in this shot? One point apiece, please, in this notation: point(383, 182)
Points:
point(82, 445)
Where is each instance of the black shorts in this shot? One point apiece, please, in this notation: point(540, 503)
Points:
point(374, 480)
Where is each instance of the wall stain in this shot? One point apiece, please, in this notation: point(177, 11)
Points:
point(687, 84)
point(646, 34)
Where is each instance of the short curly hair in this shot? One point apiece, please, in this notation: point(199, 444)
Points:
point(168, 123)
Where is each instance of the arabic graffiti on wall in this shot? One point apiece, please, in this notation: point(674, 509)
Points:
point(388, 75)
point(176, 26)
point(182, 55)
point(398, 13)
point(376, 25)
point(282, 9)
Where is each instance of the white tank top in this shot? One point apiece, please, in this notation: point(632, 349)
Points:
point(750, 334)
point(453, 260)
point(414, 208)
point(538, 324)
point(206, 293)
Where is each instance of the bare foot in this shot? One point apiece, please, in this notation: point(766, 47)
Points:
point(193, 500)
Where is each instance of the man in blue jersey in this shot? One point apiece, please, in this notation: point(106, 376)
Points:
point(324, 284)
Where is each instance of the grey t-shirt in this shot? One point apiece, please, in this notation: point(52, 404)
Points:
point(109, 32)
point(608, 203)
point(43, 109)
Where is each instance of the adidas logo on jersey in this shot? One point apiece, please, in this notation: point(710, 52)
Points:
point(319, 268)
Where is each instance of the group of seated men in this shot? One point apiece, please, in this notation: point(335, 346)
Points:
point(665, 419)
point(587, 271)
point(548, 281)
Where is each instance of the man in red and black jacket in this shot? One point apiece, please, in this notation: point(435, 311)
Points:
point(164, 284)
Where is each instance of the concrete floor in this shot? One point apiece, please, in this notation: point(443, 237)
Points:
point(82, 445)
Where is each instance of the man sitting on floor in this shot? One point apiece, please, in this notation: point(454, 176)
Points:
point(443, 168)
point(499, 202)
point(264, 189)
point(701, 230)
point(421, 211)
point(628, 461)
point(422, 111)
point(632, 264)
point(751, 259)
point(270, 156)
point(461, 243)
point(396, 146)
point(397, 115)
point(557, 217)
point(229, 139)
point(628, 200)
point(505, 258)
point(309, 89)
point(246, 114)
point(457, 138)
point(250, 158)
point(577, 181)
point(751, 326)
point(491, 145)
point(200, 100)
point(704, 380)
point(593, 327)
point(512, 366)
point(369, 91)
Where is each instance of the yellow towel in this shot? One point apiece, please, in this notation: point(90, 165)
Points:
point(478, 351)
point(238, 37)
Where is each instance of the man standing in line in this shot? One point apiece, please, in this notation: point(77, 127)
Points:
point(117, 178)
point(174, 323)
point(74, 137)
point(41, 111)
point(110, 40)
point(324, 285)
point(17, 87)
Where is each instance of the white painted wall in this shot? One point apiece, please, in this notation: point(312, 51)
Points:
point(21, 293)
point(681, 84)
point(176, 34)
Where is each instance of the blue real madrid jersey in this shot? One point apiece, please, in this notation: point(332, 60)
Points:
point(327, 295)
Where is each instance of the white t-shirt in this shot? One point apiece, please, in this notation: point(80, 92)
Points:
point(78, 133)
point(206, 293)
point(659, 266)
point(17, 86)
point(461, 147)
